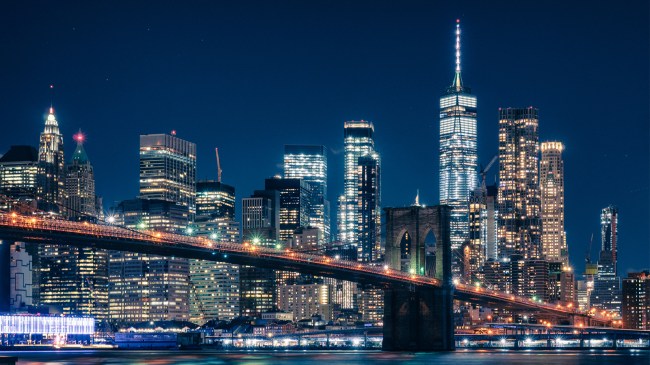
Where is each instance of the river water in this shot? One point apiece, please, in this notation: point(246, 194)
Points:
point(462, 357)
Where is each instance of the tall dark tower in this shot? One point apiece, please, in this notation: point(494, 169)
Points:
point(50, 166)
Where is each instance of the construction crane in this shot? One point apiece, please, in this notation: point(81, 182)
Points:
point(216, 151)
point(485, 170)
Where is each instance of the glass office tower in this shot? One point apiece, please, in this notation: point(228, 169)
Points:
point(458, 153)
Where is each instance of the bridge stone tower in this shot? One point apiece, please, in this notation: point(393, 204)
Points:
point(417, 319)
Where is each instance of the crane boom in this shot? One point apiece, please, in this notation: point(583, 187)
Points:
point(484, 171)
point(216, 151)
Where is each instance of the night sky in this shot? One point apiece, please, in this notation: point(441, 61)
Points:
point(249, 77)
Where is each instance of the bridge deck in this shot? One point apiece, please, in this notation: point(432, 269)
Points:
point(41, 229)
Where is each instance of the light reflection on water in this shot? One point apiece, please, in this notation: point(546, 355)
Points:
point(461, 357)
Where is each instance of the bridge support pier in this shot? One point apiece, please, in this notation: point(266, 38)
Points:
point(419, 320)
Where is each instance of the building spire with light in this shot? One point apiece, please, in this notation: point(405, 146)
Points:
point(458, 82)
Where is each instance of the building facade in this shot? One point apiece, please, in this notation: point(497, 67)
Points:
point(295, 204)
point(18, 174)
point(551, 183)
point(310, 164)
point(215, 199)
point(168, 169)
point(75, 280)
point(458, 154)
point(260, 226)
point(358, 142)
point(80, 199)
point(369, 208)
point(50, 180)
point(636, 301)
point(519, 226)
point(214, 291)
point(306, 300)
point(147, 287)
point(607, 284)
point(482, 244)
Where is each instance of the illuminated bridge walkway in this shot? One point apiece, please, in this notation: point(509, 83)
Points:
point(40, 229)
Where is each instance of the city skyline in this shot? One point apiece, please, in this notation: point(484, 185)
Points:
point(395, 192)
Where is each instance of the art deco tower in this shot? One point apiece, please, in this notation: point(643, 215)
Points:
point(458, 151)
point(50, 166)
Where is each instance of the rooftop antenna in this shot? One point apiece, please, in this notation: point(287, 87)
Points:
point(51, 98)
point(216, 151)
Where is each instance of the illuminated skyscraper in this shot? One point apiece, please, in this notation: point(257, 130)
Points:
point(214, 290)
point(214, 285)
point(295, 204)
point(359, 142)
point(519, 225)
point(50, 166)
point(609, 232)
point(80, 200)
point(147, 287)
point(260, 226)
point(551, 176)
point(214, 199)
point(458, 153)
point(168, 169)
point(310, 164)
point(607, 284)
point(72, 278)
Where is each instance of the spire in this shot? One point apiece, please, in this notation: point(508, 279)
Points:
point(79, 156)
point(458, 82)
point(417, 198)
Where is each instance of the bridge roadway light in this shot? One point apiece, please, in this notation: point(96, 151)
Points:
point(213, 236)
point(256, 241)
point(110, 219)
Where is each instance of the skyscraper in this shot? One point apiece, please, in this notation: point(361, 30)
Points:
point(18, 173)
point(551, 176)
point(310, 164)
point(607, 284)
point(458, 153)
point(214, 290)
point(609, 233)
point(72, 278)
point(214, 285)
point(369, 201)
point(147, 287)
point(215, 199)
point(295, 204)
point(260, 226)
point(168, 169)
point(519, 225)
point(359, 142)
point(80, 200)
point(50, 166)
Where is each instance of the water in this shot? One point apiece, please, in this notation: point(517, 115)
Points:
point(462, 357)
